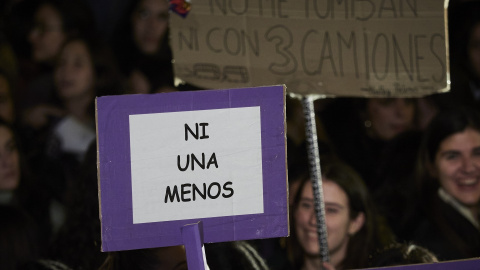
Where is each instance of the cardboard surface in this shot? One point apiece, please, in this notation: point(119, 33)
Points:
point(370, 48)
point(139, 134)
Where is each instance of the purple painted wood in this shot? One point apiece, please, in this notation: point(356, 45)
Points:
point(115, 189)
point(192, 235)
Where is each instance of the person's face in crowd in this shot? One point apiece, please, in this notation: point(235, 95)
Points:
point(474, 50)
point(339, 225)
point(9, 160)
point(389, 116)
point(74, 74)
point(47, 35)
point(457, 166)
point(6, 102)
point(150, 23)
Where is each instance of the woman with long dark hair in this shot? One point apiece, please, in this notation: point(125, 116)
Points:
point(141, 45)
point(352, 224)
point(449, 178)
point(55, 21)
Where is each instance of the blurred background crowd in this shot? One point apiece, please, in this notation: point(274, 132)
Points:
point(401, 176)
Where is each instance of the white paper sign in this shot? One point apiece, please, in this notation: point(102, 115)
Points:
point(211, 167)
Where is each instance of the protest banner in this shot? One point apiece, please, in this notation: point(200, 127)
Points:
point(369, 48)
point(173, 159)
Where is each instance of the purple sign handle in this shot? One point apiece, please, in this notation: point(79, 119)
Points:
point(192, 235)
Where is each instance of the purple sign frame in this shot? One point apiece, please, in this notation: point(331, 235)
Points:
point(115, 188)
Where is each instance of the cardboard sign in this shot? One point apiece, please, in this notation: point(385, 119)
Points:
point(371, 48)
point(167, 160)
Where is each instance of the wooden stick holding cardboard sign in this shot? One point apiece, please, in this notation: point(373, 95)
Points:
point(192, 235)
point(315, 174)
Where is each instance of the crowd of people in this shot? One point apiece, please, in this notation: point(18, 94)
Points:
point(400, 176)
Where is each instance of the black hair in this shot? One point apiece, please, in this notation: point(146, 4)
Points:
point(401, 254)
point(238, 255)
point(78, 241)
point(77, 16)
point(44, 265)
point(11, 93)
point(127, 53)
point(18, 239)
point(158, 73)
